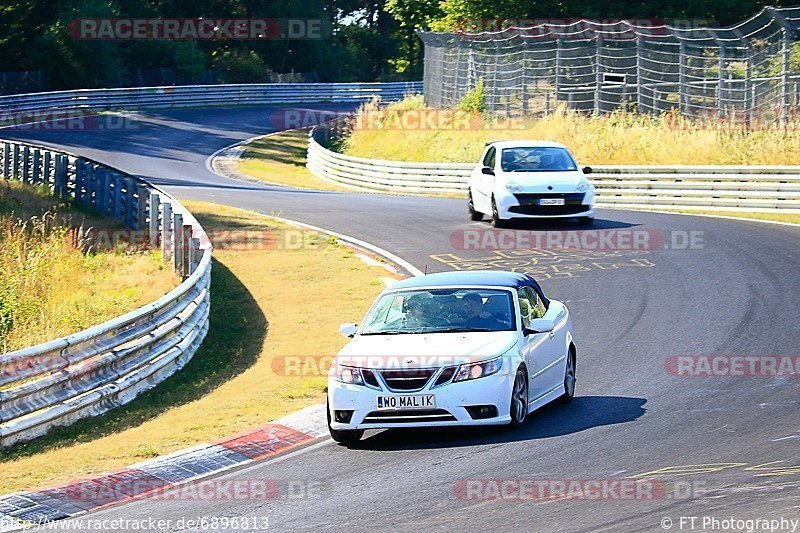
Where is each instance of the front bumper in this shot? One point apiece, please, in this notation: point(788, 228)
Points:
point(527, 205)
point(452, 401)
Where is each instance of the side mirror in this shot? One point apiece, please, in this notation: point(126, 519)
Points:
point(488, 171)
point(348, 329)
point(587, 170)
point(539, 325)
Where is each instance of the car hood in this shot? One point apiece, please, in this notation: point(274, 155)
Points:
point(425, 350)
point(533, 182)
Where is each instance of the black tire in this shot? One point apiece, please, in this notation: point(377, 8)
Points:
point(518, 409)
point(345, 437)
point(497, 222)
point(586, 221)
point(474, 215)
point(569, 378)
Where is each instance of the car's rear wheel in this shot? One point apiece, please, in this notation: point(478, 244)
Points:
point(519, 399)
point(345, 437)
point(474, 215)
point(569, 378)
point(497, 222)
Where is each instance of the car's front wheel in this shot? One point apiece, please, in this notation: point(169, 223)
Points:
point(569, 378)
point(345, 437)
point(497, 222)
point(519, 399)
point(474, 215)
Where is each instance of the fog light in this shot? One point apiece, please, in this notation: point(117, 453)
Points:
point(478, 412)
point(343, 416)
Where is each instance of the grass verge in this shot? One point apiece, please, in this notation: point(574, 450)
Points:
point(281, 158)
point(266, 302)
point(616, 139)
point(48, 287)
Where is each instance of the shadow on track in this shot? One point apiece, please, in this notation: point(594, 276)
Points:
point(585, 412)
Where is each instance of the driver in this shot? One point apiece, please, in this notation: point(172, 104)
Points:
point(477, 317)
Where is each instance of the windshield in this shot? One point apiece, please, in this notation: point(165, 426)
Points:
point(441, 311)
point(533, 159)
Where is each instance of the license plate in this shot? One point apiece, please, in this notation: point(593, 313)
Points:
point(407, 401)
point(551, 201)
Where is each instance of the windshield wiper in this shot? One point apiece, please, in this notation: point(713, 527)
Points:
point(388, 332)
point(464, 330)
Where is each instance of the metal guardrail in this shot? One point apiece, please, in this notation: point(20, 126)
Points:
point(730, 188)
point(92, 371)
point(95, 370)
point(205, 96)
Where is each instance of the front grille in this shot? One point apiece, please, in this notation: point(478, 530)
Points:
point(406, 416)
point(407, 379)
point(570, 198)
point(545, 210)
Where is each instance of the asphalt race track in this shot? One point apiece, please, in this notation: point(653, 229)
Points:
point(724, 446)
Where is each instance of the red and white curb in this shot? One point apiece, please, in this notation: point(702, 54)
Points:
point(26, 509)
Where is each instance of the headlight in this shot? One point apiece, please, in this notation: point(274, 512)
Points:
point(349, 374)
point(583, 186)
point(513, 187)
point(478, 370)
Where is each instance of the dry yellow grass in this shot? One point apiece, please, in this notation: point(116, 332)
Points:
point(48, 288)
point(617, 139)
point(265, 304)
point(281, 158)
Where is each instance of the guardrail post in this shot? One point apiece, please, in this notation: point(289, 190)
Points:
point(6, 160)
point(89, 183)
point(166, 231)
point(80, 182)
point(102, 189)
point(142, 195)
point(188, 256)
point(196, 254)
point(177, 242)
point(155, 201)
point(26, 165)
point(61, 176)
point(117, 197)
point(130, 202)
point(37, 166)
point(46, 177)
point(15, 163)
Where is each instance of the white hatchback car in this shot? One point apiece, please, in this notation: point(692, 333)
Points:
point(452, 349)
point(532, 180)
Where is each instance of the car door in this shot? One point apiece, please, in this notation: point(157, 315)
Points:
point(539, 350)
point(485, 182)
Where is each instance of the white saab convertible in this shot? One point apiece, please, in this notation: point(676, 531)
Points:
point(452, 349)
point(529, 180)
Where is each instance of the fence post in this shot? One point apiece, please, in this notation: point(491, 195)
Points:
point(639, 77)
point(166, 231)
point(786, 75)
point(598, 75)
point(682, 79)
point(721, 82)
point(559, 65)
point(155, 202)
point(177, 242)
